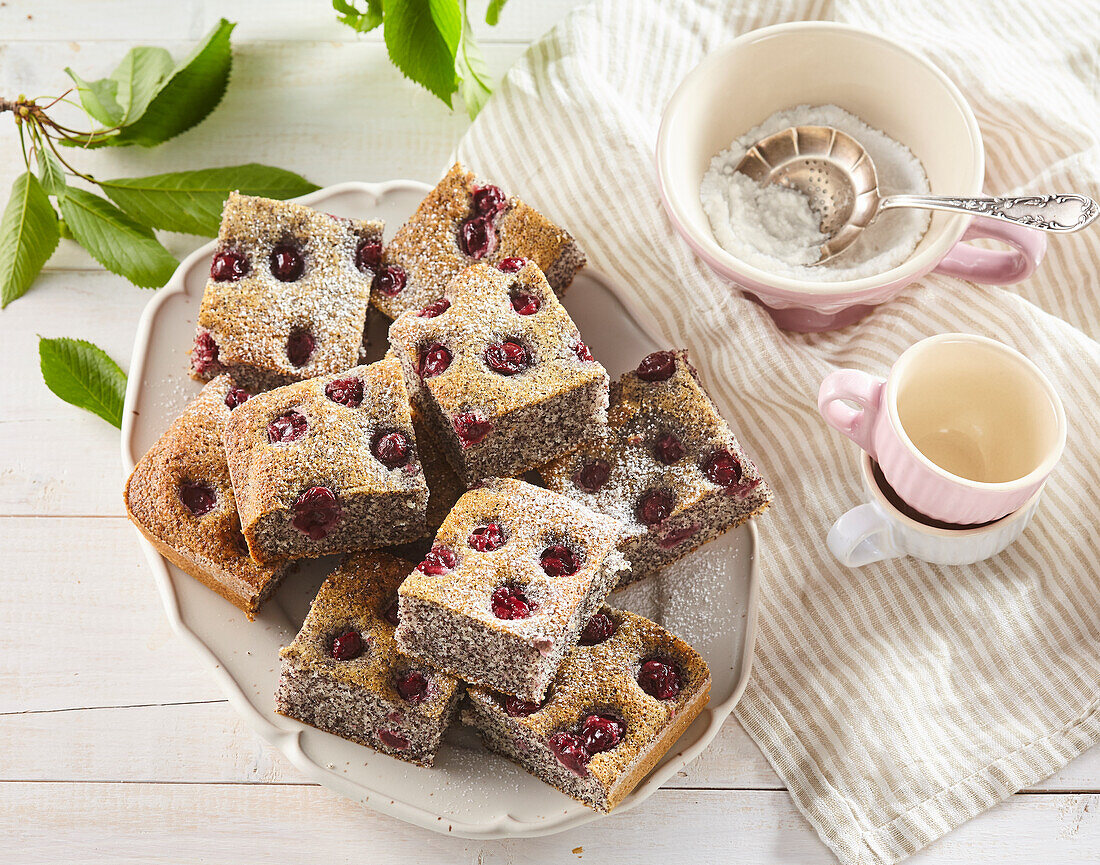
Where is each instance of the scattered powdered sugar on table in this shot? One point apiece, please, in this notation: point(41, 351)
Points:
point(774, 229)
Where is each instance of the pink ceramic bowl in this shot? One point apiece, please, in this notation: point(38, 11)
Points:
point(889, 87)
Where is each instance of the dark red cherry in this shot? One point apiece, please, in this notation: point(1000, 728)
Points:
point(438, 561)
point(559, 561)
point(471, 427)
point(653, 507)
point(660, 679)
point(658, 366)
point(229, 265)
point(435, 308)
point(518, 708)
point(345, 391)
point(669, 449)
point(511, 602)
point(583, 352)
point(599, 628)
point(485, 539)
point(299, 347)
point(236, 396)
point(204, 356)
point(489, 200)
point(477, 237)
point(393, 740)
point(391, 614)
point(570, 751)
point(591, 476)
point(525, 303)
point(347, 646)
point(601, 733)
point(433, 360)
point(316, 512)
point(412, 686)
point(507, 358)
point(287, 427)
point(722, 468)
point(390, 280)
point(198, 497)
point(391, 448)
point(368, 255)
point(511, 265)
point(287, 263)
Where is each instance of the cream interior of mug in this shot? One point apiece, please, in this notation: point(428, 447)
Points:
point(977, 410)
point(815, 63)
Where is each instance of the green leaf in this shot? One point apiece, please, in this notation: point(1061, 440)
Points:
point(82, 374)
point(118, 242)
point(50, 172)
point(139, 76)
point(473, 73)
point(184, 98)
point(191, 201)
point(492, 14)
point(28, 236)
point(63, 229)
point(422, 39)
point(99, 98)
point(364, 21)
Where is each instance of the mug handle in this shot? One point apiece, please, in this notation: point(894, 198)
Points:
point(862, 536)
point(854, 386)
point(995, 266)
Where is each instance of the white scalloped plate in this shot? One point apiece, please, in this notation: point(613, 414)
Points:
point(709, 598)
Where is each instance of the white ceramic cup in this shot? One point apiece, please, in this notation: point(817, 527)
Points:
point(965, 428)
point(879, 530)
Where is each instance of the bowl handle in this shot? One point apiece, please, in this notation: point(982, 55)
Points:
point(995, 266)
point(862, 536)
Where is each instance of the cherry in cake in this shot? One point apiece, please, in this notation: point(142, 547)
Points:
point(180, 497)
point(667, 465)
point(463, 221)
point(617, 704)
point(288, 294)
point(492, 601)
point(344, 675)
point(500, 385)
point(327, 465)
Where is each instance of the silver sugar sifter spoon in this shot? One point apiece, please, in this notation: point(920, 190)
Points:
point(837, 175)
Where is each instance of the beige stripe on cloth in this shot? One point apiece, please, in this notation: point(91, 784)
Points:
point(898, 700)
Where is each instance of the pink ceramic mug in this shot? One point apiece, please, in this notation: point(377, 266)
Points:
point(964, 428)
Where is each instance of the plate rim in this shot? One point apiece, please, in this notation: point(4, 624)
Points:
point(287, 741)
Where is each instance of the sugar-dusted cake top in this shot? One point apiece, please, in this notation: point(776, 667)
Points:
point(517, 557)
point(180, 493)
point(348, 635)
point(460, 222)
point(350, 432)
point(665, 447)
point(612, 695)
point(288, 290)
point(494, 342)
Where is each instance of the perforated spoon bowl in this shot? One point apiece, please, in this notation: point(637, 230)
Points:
point(837, 175)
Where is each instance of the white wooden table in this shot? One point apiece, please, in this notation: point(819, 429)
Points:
point(114, 744)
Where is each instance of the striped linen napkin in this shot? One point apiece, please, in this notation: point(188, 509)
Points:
point(898, 700)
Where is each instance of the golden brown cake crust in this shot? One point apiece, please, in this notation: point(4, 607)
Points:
point(603, 679)
point(252, 318)
point(334, 452)
point(426, 247)
point(209, 547)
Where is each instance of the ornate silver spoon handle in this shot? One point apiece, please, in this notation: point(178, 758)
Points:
point(1061, 212)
